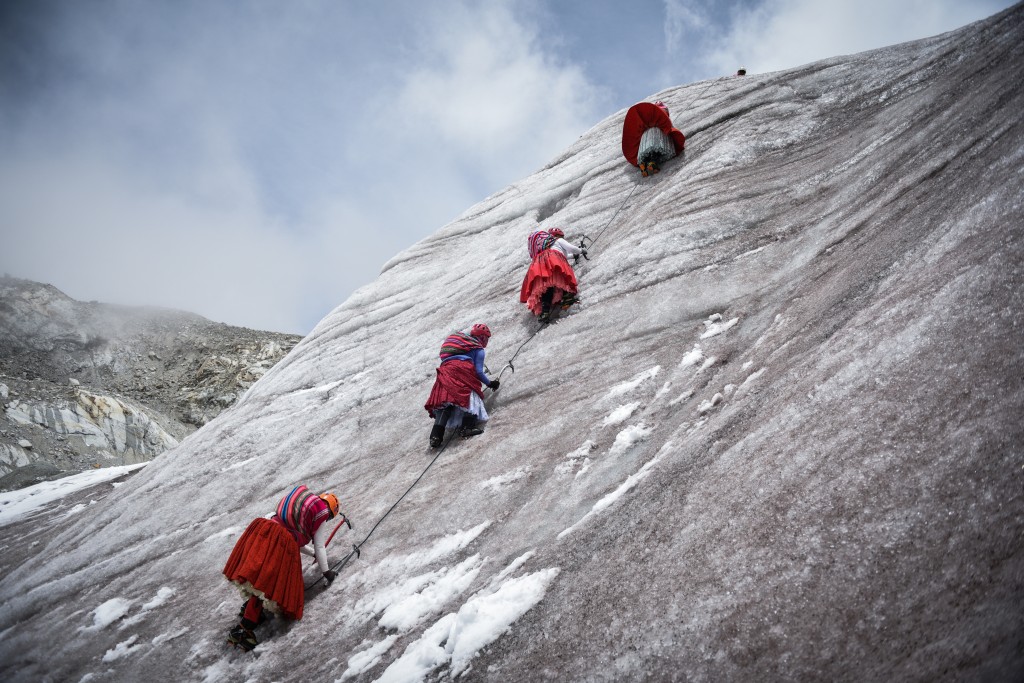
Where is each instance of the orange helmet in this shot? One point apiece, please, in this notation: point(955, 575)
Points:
point(332, 503)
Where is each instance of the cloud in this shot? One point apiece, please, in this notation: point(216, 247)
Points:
point(487, 96)
point(258, 165)
point(781, 34)
point(682, 18)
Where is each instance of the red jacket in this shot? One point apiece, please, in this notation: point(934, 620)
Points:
point(639, 118)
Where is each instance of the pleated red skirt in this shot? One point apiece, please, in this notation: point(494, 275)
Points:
point(455, 381)
point(265, 563)
point(549, 269)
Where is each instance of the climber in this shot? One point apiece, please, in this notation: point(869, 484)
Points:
point(648, 138)
point(265, 564)
point(456, 400)
point(550, 280)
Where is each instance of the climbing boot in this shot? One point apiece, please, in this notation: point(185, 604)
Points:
point(469, 427)
point(436, 436)
point(242, 637)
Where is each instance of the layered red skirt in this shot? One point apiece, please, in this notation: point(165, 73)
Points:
point(265, 563)
point(549, 269)
point(456, 380)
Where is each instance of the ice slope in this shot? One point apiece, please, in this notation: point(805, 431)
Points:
point(780, 439)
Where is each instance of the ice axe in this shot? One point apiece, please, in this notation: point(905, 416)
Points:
point(344, 520)
point(583, 246)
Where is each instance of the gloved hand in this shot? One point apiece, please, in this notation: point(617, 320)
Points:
point(494, 384)
point(330, 575)
point(584, 251)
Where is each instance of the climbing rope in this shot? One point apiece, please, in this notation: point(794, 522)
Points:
point(583, 242)
point(357, 546)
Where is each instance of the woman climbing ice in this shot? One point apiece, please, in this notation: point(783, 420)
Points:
point(550, 281)
point(456, 400)
point(265, 564)
point(648, 138)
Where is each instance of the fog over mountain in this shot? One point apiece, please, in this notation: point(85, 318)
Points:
point(85, 385)
point(780, 439)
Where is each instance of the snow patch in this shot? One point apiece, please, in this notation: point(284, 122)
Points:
point(483, 619)
point(620, 414)
point(753, 376)
point(681, 397)
point(631, 384)
point(108, 613)
point(692, 357)
point(458, 637)
point(229, 531)
point(574, 457)
point(495, 483)
point(367, 659)
point(705, 406)
point(121, 650)
point(446, 545)
point(512, 568)
point(164, 637)
point(713, 329)
point(236, 465)
point(405, 613)
point(15, 505)
point(163, 595)
point(421, 656)
point(629, 436)
point(631, 481)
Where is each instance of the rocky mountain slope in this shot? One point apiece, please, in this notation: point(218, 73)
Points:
point(90, 384)
point(779, 440)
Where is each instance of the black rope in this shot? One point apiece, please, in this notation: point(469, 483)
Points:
point(508, 365)
point(356, 546)
point(608, 224)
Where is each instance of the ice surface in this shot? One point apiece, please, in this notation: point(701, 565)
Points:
point(851, 509)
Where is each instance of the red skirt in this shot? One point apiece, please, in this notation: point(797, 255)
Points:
point(265, 563)
point(456, 379)
point(549, 269)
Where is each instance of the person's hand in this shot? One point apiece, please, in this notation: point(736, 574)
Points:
point(330, 575)
point(494, 385)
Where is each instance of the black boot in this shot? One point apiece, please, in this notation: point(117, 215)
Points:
point(436, 436)
point(469, 427)
point(545, 304)
point(243, 637)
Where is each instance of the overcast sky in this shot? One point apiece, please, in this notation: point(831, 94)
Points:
point(256, 162)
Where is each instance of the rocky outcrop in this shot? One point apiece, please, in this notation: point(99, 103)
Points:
point(84, 384)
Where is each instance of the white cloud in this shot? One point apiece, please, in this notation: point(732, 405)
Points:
point(682, 18)
point(780, 34)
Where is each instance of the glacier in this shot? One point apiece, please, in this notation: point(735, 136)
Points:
point(779, 439)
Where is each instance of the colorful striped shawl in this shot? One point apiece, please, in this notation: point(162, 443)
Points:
point(302, 512)
point(459, 344)
point(539, 241)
